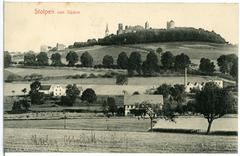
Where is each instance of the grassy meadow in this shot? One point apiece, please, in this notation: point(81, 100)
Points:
point(90, 121)
point(195, 50)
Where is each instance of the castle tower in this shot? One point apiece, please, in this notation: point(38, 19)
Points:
point(120, 29)
point(106, 31)
point(170, 24)
point(146, 25)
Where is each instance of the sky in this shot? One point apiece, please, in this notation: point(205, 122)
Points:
point(25, 30)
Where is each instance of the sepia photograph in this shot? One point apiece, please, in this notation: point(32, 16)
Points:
point(120, 77)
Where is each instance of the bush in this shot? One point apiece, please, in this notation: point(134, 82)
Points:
point(92, 76)
point(13, 77)
point(109, 75)
point(66, 101)
point(33, 77)
point(121, 80)
point(83, 76)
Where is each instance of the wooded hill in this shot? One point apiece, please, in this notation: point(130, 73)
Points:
point(163, 35)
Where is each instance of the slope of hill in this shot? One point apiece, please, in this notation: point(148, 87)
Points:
point(195, 50)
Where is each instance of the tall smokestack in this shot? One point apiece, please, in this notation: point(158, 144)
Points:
point(185, 77)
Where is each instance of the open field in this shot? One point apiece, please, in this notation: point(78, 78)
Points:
point(108, 85)
point(123, 123)
point(57, 71)
point(52, 140)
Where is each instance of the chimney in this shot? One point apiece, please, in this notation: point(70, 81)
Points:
point(185, 77)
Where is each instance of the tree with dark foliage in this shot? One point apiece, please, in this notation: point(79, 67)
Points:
point(134, 63)
point(42, 59)
point(72, 58)
point(72, 92)
point(206, 66)
point(121, 79)
point(86, 59)
point(89, 95)
point(7, 59)
point(112, 107)
point(213, 103)
point(167, 60)
point(225, 62)
point(35, 95)
point(107, 61)
point(163, 35)
point(29, 59)
point(122, 60)
point(56, 59)
point(164, 90)
point(234, 70)
point(150, 65)
point(182, 61)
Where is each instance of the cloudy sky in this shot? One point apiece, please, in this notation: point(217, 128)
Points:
point(24, 30)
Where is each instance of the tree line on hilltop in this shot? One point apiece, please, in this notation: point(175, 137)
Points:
point(163, 35)
point(155, 35)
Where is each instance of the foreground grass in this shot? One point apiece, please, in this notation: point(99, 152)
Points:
point(52, 140)
point(83, 121)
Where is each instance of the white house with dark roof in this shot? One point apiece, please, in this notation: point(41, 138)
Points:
point(131, 101)
point(55, 90)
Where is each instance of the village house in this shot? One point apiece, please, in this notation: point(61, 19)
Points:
point(131, 101)
point(55, 90)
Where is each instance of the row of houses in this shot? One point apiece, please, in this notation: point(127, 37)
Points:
point(129, 101)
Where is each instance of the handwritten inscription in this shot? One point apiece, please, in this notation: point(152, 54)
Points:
point(51, 12)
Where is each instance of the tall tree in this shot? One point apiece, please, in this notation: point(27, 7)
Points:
point(86, 59)
point(72, 58)
point(42, 59)
point(107, 61)
point(121, 79)
point(181, 62)
point(35, 95)
point(72, 92)
point(225, 62)
point(122, 60)
point(56, 59)
point(164, 90)
point(234, 70)
point(167, 60)
point(151, 64)
point(112, 107)
point(213, 103)
point(206, 66)
point(29, 59)
point(7, 59)
point(134, 63)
